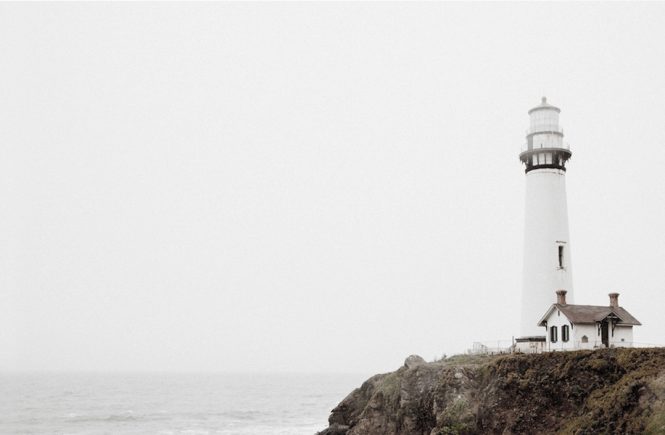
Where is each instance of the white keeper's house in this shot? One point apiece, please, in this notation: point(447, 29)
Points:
point(570, 326)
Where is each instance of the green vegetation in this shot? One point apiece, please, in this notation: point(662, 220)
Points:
point(467, 359)
point(390, 386)
point(457, 418)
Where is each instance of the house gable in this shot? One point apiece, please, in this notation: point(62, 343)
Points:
point(548, 313)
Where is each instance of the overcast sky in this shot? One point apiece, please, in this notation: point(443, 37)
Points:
point(312, 187)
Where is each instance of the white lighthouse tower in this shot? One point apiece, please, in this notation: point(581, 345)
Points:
point(547, 261)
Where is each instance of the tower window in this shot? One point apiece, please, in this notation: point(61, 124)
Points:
point(553, 334)
point(560, 257)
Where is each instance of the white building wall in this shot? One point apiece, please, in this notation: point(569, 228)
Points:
point(558, 319)
point(623, 336)
point(545, 229)
point(589, 331)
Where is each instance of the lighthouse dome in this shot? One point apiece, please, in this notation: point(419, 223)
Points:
point(545, 118)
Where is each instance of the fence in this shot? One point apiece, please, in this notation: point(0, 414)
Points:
point(499, 347)
point(491, 347)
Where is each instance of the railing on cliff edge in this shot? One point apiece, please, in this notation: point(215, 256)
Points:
point(502, 347)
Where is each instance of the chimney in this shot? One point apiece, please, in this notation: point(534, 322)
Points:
point(561, 297)
point(614, 299)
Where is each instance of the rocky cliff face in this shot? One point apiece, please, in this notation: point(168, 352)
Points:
point(610, 391)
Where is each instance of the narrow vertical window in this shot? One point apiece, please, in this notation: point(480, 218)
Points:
point(553, 334)
point(565, 333)
point(560, 257)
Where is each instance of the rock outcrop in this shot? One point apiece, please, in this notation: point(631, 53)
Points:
point(609, 391)
point(413, 361)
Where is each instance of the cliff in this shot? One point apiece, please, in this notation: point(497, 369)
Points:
point(609, 391)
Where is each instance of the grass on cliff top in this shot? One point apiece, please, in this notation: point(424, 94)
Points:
point(467, 359)
point(629, 358)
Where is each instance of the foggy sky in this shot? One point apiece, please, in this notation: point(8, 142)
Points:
point(312, 187)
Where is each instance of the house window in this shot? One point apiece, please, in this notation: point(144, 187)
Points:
point(553, 334)
point(560, 257)
point(565, 333)
point(585, 339)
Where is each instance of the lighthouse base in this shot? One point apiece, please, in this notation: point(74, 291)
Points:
point(531, 344)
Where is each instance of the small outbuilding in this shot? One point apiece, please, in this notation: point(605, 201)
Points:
point(572, 327)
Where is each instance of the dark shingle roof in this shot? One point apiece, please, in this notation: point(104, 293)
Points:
point(593, 314)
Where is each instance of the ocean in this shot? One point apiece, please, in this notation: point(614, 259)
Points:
point(170, 404)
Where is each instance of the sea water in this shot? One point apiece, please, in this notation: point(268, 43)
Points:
point(170, 404)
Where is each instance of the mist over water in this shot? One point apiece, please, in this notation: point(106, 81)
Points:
point(92, 403)
point(250, 187)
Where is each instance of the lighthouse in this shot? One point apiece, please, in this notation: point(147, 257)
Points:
point(547, 253)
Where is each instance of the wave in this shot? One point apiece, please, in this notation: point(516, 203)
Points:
point(123, 417)
point(246, 415)
point(129, 415)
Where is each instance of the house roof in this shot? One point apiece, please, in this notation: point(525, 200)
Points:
point(591, 314)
